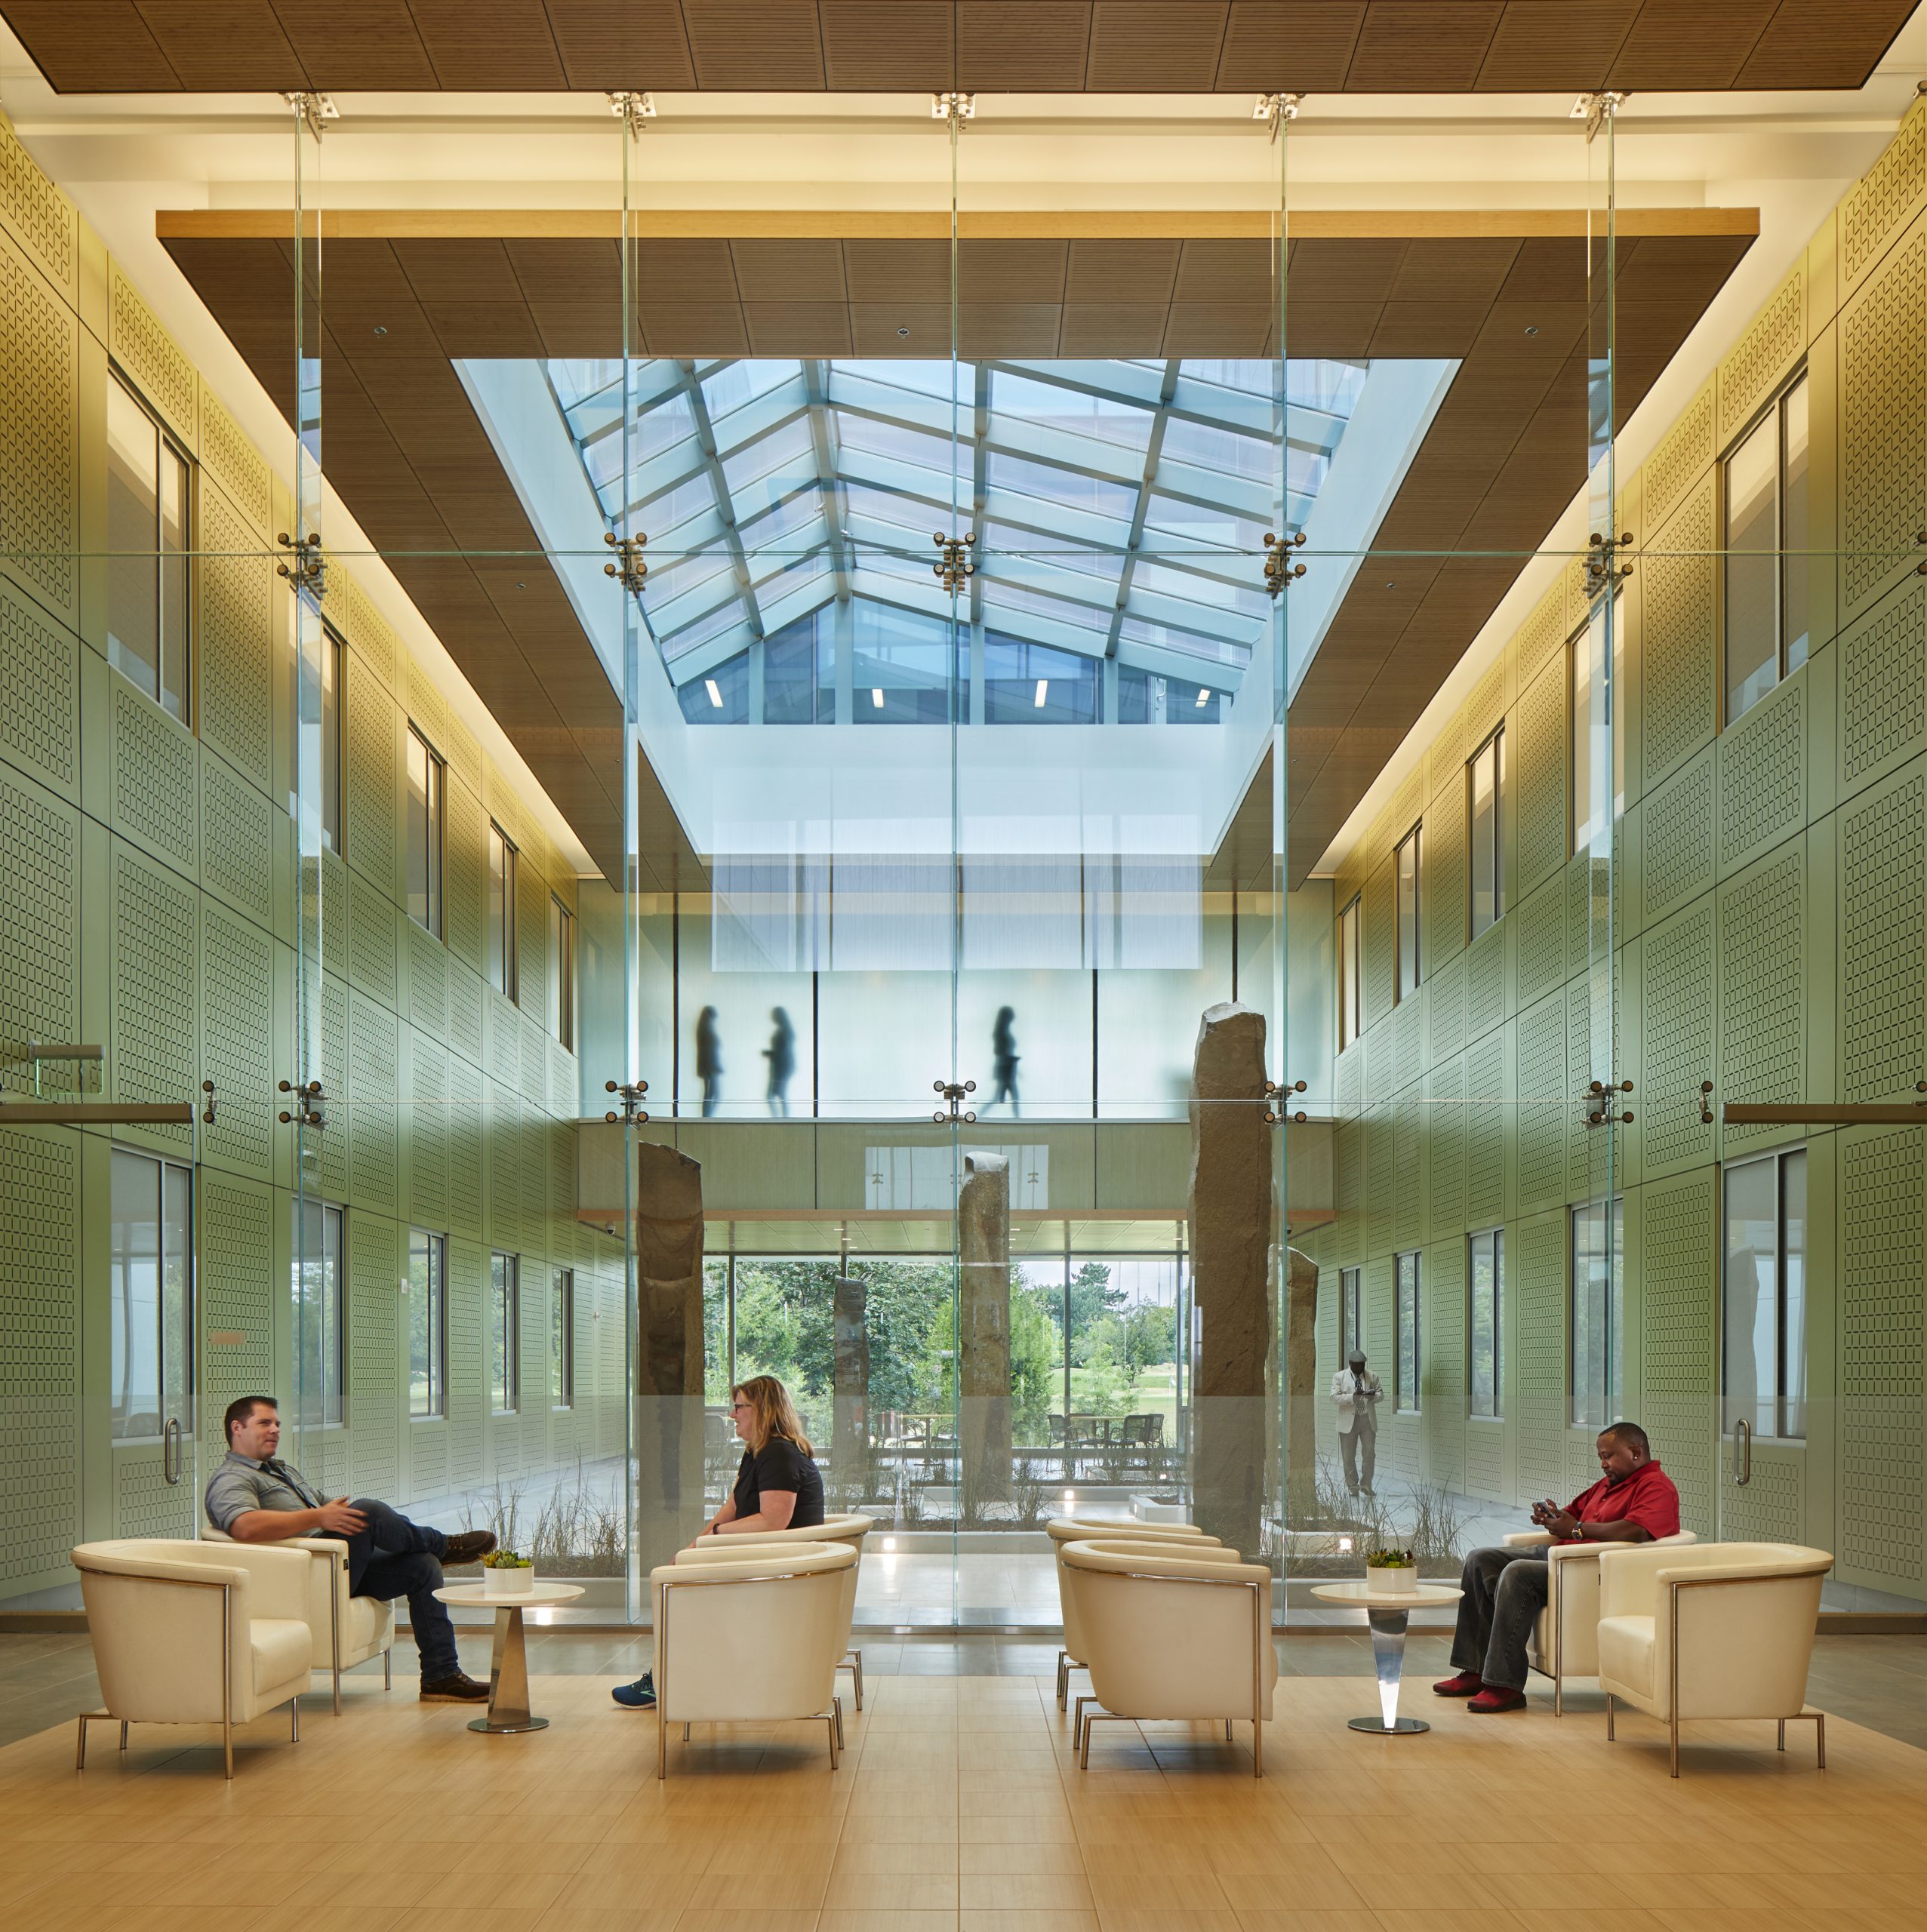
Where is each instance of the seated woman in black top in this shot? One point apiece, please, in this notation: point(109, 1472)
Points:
point(778, 1487)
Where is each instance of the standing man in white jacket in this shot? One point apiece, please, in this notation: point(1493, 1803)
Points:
point(1357, 1394)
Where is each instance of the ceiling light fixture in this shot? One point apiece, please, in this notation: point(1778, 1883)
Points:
point(1043, 686)
point(876, 698)
point(1204, 698)
point(380, 330)
point(715, 696)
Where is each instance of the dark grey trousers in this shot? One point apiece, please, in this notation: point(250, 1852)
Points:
point(1505, 1590)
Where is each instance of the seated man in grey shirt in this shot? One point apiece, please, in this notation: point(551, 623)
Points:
point(254, 1499)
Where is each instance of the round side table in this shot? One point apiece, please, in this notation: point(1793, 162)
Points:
point(508, 1668)
point(1387, 1612)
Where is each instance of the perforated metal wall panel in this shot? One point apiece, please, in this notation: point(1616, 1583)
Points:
point(1678, 653)
point(39, 919)
point(1678, 822)
point(1883, 422)
point(1763, 1016)
point(155, 785)
point(374, 1064)
point(370, 799)
point(1883, 685)
point(150, 355)
point(153, 1045)
point(375, 1272)
point(235, 638)
point(39, 694)
point(1883, 940)
point(1679, 1304)
point(39, 435)
point(1676, 1033)
point(37, 215)
point(238, 829)
point(239, 1292)
point(1539, 1281)
point(237, 962)
point(1762, 774)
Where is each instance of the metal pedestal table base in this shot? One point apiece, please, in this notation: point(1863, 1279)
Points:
point(1388, 1653)
point(508, 1680)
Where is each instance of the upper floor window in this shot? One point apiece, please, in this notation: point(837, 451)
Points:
point(320, 1312)
point(1351, 1312)
point(502, 860)
point(1762, 1366)
point(799, 672)
point(1036, 684)
point(1485, 1322)
point(150, 1270)
point(1348, 976)
point(426, 780)
point(1485, 777)
point(562, 973)
point(1409, 862)
point(1596, 1313)
point(1404, 1315)
point(1593, 731)
point(505, 1334)
point(561, 1340)
point(1765, 548)
point(149, 537)
point(331, 740)
point(428, 1325)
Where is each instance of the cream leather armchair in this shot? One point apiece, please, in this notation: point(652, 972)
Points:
point(1173, 1634)
point(1565, 1641)
point(851, 1530)
point(195, 1633)
point(346, 1630)
point(750, 1636)
point(1716, 1630)
point(1069, 1529)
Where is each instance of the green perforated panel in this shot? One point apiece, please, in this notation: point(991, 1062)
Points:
point(374, 1276)
point(1445, 882)
point(1376, 965)
point(146, 1504)
point(39, 908)
point(1883, 685)
point(1677, 824)
point(1679, 1304)
point(1676, 990)
point(1541, 778)
point(1446, 1008)
point(465, 879)
point(150, 355)
point(1485, 982)
point(1762, 985)
point(237, 964)
point(369, 800)
point(1683, 452)
point(427, 1129)
point(154, 777)
point(39, 1350)
point(39, 694)
point(237, 465)
point(238, 1292)
point(1767, 1507)
point(1678, 640)
point(1883, 1389)
point(428, 981)
point(332, 1142)
point(468, 1278)
point(38, 216)
point(1443, 1336)
point(1539, 1282)
point(1542, 942)
point(1408, 1054)
point(1883, 942)
point(236, 640)
point(1887, 197)
point(1771, 346)
point(1883, 421)
point(154, 972)
point(1542, 1110)
point(1407, 1128)
point(372, 940)
point(1762, 775)
point(39, 435)
point(1446, 1168)
point(1485, 1132)
point(237, 841)
point(465, 1148)
point(374, 1062)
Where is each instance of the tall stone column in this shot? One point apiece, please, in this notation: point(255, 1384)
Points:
point(983, 1330)
point(849, 1456)
point(669, 1364)
point(1230, 1200)
point(1300, 1387)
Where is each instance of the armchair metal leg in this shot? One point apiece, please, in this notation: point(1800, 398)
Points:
point(662, 1746)
point(1063, 1677)
point(830, 1721)
point(1783, 1732)
point(1077, 1721)
point(338, 1691)
point(1782, 1745)
point(1672, 1733)
point(1608, 1717)
point(387, 1680)
point(227, 1745)
point(1820, 1736)
point(294, 1720)
point(857, 1671)
point(837, 1704)
point(1559, 1697)
point(80, 1745)
point(685, 1734)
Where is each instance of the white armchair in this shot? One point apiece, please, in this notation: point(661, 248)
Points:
point(1716, 1630)
point(346, 1630)
point(1564, 1639)
point(1066, 1529)
point(1172, 1634)
point(195, 1633)
point(851, 1529)
point(750, 1636)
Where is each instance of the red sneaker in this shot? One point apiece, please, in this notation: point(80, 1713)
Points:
point(1496, 1697)
point(1467, 1684)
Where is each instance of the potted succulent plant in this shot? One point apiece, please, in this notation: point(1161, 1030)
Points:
point(506, 1572)
point(1390, 1572)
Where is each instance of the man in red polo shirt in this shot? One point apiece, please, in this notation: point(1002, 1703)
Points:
point(1505, 1590)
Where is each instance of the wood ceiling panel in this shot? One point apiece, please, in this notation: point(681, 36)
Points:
point(475, 44)
point(700, 269)
point(1011, 271)
point(1817, 44)
point(693, 328)
point(1690, 43)
point(874, 328)
point(1023, 46)
point(92, 46)
point(1460, 270)
point(480, 329)
point(1421, 328)
point(1228, 270)
point(1217, 328)
point(1289, 46)
point(608, 44)
point(1337, 271)
point(1422, 46)
point(755, 45)
point(1007, 328)
point(359, 44)
point(802, 270)
point(1543, 46)
point(897, 272)
point(1102, 272)
point(888, 46)
point(798, 328)
point(1151, 47)
point(1330, 328)
point(451, 270)
point(224, 46)
point(1118, 331)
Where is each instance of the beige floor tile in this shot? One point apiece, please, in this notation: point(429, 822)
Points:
point(1019, 1920)
point(1058, 1891)
point(892, 1891)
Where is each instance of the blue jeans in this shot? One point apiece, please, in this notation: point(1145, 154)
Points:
point(395, 1558)
point(1505, 1590)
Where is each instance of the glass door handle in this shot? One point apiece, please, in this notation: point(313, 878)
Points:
point(171, 1459)
point(1742, 1452)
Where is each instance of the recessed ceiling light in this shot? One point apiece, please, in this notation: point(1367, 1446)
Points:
point(380, 330)
point(1532, 328)
point(1391, 583)
point(903, 331)
point(715, 696)
point(1043, 686)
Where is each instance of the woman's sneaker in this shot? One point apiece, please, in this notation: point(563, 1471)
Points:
point(640, 1695)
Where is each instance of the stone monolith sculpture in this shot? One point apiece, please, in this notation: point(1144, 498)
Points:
point(669, 1364)
point(1231, 1202)
point(983, 1330)
point(1300, 1387)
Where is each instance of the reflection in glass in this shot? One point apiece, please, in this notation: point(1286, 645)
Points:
point(150, 1295)
point(1406, 1313)
point(1486, 1310)
point(1768, 571)
point(562, 974)
point(1763, 1288)
point(781, 1054)
point(428, 1325)
point(426, 777)
point(321, 1283)
point(562, 1339)
point(505, 1334)
point(1598, 1299)
point(1351, 1312)
point(331, 740)
point(1589, 727)
point(709, 1058)
point(148, 540)
point(502, 962)
point(1033, 683)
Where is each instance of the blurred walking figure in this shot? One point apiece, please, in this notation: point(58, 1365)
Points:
point(1004, 1058)
point(709, 1058)
point(781, 1054)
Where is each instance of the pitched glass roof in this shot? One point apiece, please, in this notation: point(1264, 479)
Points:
point(1116, 504)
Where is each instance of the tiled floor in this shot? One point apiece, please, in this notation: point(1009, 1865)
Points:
point(958, 1808)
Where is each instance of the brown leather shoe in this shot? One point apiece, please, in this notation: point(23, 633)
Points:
point(458, 1689)
point(471, 1546)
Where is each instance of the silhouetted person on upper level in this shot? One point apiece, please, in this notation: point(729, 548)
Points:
point(708, 1057)
point(781, 1054)
point(1004, 1057)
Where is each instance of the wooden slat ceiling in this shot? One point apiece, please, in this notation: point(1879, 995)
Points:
point(985, 46)
point(1505, 295)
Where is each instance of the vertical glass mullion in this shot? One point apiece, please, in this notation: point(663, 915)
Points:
point(632, 949)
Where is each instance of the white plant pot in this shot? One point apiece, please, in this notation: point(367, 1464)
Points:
point(507, 1582)
point(1383, 1580)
